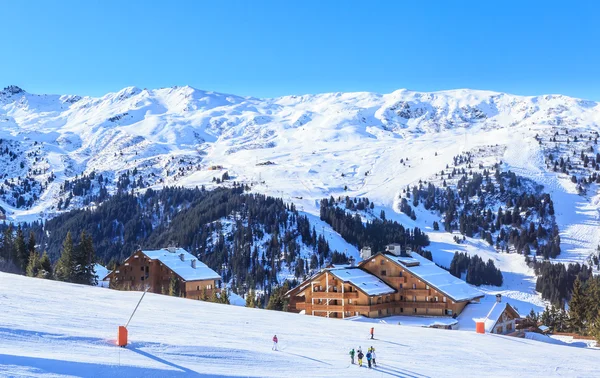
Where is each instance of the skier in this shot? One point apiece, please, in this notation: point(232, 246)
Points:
point(352, 356)
point(369, 356)
point(360, 357)
point(373, 357)
point(274, 343)
point(372, 332)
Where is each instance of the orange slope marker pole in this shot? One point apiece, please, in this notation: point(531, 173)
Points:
point(122, 334)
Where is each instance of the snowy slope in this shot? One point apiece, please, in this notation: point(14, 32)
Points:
point(56, 329)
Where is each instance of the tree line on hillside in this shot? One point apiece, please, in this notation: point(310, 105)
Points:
point(250, 239)
point(507, 211)
point(478, 272)
point(376, 233)
point(583, 314)
point(21, 256)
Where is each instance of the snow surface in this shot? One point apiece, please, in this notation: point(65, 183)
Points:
point(183, 268)
point(56, 329)
point(101, 272)
point(365, 281)
point(442, 280)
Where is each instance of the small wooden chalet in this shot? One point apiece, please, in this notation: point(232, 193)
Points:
point(502, 318)
point(153, 270)
point(387, 283)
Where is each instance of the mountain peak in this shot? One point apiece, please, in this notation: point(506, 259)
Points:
point(12, 90)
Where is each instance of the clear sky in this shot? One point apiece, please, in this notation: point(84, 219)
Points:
point(273, 48)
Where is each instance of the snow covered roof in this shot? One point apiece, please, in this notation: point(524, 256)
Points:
point(364, 281)
point(483, 312)
point(183, 268)
point(455, 288)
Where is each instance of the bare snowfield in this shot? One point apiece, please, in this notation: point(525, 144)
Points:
point(55, 329)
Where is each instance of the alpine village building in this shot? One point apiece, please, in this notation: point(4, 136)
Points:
point(393, 282)
point(152, 270)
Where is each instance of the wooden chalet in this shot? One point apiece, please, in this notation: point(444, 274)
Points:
point(502, 318)
point(387, 283)
point(153, 270)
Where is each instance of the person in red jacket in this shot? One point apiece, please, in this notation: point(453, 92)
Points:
point(372, 332)
point(274, 343)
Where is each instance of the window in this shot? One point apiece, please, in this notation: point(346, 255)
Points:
point(379, 312)
point(349, 301)
point(384, 273)
point(414, 286)
point(415, 310)
point(400, 286)
point(444, 299)
point(382, 262)
point(426, 299)
point(209, 287)
point(427, 287)
point(414, 298)
point(198, 287)
point(142, 268)
point(401, 298)
point(141, 278)
point(401, 309)
point(436, 299)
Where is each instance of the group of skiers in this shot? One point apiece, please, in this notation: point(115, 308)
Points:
point(359, 353)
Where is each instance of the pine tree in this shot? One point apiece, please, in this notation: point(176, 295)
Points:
point(577, 308)
point(45, 270)
point(224, 296)
point(174, 286)
point(251, 299)
point(64, 270)
point(33, 266)
point(8, 244)
point(595, 328)
point(22, 256)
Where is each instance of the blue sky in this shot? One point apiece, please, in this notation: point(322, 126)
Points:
point(273, 48)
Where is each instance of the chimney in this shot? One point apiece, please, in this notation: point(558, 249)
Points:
point(194, 263)
point(352, 261)
point(181, 257)
point(365, 253)
point(171, 249)
point(498, 298)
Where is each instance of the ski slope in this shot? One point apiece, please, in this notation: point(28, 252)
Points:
point(55, 329)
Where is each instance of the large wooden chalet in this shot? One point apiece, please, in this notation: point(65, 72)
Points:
point(154, 269)
point(387, 283)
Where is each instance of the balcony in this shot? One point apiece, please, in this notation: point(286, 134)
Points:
point(334, 295)
point(394, 281)
point(417, 292)
point(421, 304)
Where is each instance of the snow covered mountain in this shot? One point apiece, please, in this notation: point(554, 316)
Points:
point(172, 135)
point(63, 152)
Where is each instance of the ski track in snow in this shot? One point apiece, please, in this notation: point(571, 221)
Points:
point(74, 329)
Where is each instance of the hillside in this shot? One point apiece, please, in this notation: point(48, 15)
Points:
point(75, 329)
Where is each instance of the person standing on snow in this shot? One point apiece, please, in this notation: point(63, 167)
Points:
point(369, 356)
point(352, 355)
point(274, 343)
point(360, 357)
point(372, 332)
point(373, 356)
